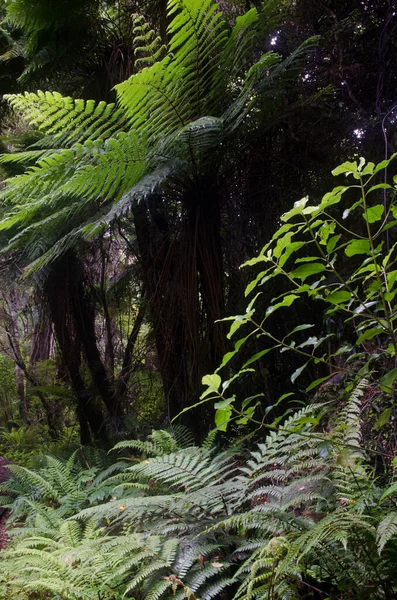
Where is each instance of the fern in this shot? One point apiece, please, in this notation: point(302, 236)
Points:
point(194, 523)
point(59, 486)
point(68, 121)
point(387, 528)
point(97, 161)
point(148, 46)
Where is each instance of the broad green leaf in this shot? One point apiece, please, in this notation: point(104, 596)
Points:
point(311, 341)
point(287, 301)
point(306, 270)
point(339, 297)
point(309, 210)
point(346, 167)
point(282, 243)
point(283, 397)
point(369, 169)
point(390, 490)
point(389, 255)
point(380, 186)
point(325, 449)
point(374, 286)
point(383, 419)
point(228, 382)
point(369, 334)
point(342, 350)
point(283, 229)
point(390, 350)
point(332, 243)
point(224, 403)
point(212, 381)
point(333, 197)
point(252, 284)
point(386, 382)
point(245, 403)
point(326, 230)
point(367, 268)
point(301, 328)
point(222, 418)
point(254, 261)
point(389, 296)
point(290, 250)
point(382, 165)
point(249, 311)
point(243, 420)
point(229, 355)
point(249, 413)
point(358, 247)
point(391, 278)
point(374, 213)
point(346, 458)
point(297, 210)
point(237, 323)
point(305, 259)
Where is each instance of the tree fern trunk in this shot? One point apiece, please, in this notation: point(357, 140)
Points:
point(206, 218)
point(163, 284)
point(183, 272)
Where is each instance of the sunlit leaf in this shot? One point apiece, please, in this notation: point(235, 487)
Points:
point(374, 213)
point(358, 247)
point(306, 270)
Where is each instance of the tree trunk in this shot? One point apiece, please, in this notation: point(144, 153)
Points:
point(164, 284)
point(21, 393)
point(84, 318)
point(60, 290)
point(122, 382)
point(183, 273)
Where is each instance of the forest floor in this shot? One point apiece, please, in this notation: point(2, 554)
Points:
point(4, 474)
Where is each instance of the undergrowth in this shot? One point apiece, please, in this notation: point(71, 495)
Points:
point(300, 515)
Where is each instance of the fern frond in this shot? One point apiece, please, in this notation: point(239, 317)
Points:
point(191, 469)
point(72, 120)
point(148, 45)
point(387, 529)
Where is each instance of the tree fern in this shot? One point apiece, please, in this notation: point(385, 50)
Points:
point(99, 160)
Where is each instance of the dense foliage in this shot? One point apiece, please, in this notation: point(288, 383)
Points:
point(299, 515)
point(171, 144)
point(303, 513)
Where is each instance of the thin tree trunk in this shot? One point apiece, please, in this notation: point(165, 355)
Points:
point(109, 322)
point(21, 393)
point(122, 382)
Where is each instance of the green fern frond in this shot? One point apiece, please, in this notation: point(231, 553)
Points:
point(72, 120)
point(387, 529)
point(347, 426)
point(29, 483)
point(191, 469)
point(148, 45)
point(100, 160)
